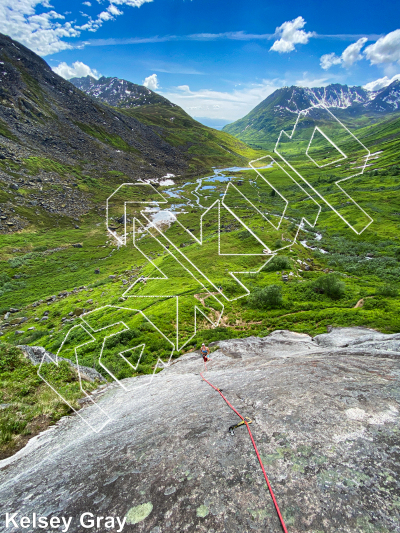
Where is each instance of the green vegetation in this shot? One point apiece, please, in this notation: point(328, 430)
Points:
point(330, 285)
point(206, 147)
point(6, 132)
point(267, 298)
point(388, 291)
point(335, 277)
point(104, 136)
point(279, 262)
point(260, 128)
point(28, 404)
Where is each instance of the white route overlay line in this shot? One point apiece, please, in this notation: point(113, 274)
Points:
point(304, 112)
point(197, 274)
point(88, 330)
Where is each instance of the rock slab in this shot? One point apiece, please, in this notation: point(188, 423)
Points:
point(325, 417)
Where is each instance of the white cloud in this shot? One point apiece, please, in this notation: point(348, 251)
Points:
point(327, 60)
point(350, 55)
point(130, 3)
point(76, 70)
point(312, 82)
point(290, 33)
point(380, 83)
point(151, 82)
point(44, 33)
point(114, 10)
point(86, 4)
point(385, 50)
point(222, 105)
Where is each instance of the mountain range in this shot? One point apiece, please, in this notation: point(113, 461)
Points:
point(59, 147)
point(91, 134)
point(119, 93)
point(355, 106)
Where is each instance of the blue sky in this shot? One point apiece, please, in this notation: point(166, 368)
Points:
point(215, 58)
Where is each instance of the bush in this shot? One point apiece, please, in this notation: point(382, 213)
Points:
point(15, 262)
point(245, 234)
point(375, 303)
point(11, 358)
point(279, 262)
point(33, 336)
point(330, 285)
point(388, 291)
point(266, 298)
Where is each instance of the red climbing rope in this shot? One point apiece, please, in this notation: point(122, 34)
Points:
point(258, 455)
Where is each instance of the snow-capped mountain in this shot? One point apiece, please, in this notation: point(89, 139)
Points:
point(340, 96)
point(119, 93)
point(351, 104)
point(387, 99)
point(334, 95)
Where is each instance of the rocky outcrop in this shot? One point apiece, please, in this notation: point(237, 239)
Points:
point(325, 417)
point(37, 355)
point(119, 93)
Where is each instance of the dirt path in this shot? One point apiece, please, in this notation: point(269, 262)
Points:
point(202, 296)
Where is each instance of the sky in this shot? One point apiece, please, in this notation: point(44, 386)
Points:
point(217, 59)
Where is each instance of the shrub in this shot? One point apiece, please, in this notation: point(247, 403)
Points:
point(375, 303)
point(31, 337)
point(388, 291)
point(279, 262)
point(11, 358)
point(4, 278)
point(266, 298)
point(245, 234)
point(331, 285)
point(15, 262)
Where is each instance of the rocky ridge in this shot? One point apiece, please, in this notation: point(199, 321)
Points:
point(55, 141)
point(119, 93)
point(325, 417)
point(349, 104)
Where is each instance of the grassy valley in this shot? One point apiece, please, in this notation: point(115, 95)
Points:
point(68, 285)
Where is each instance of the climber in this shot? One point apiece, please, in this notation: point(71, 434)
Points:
point(205, 352)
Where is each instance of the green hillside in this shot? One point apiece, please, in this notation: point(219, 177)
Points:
point(41, 261)
point(260, 127)
point(64, 274)
point(207, 147)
